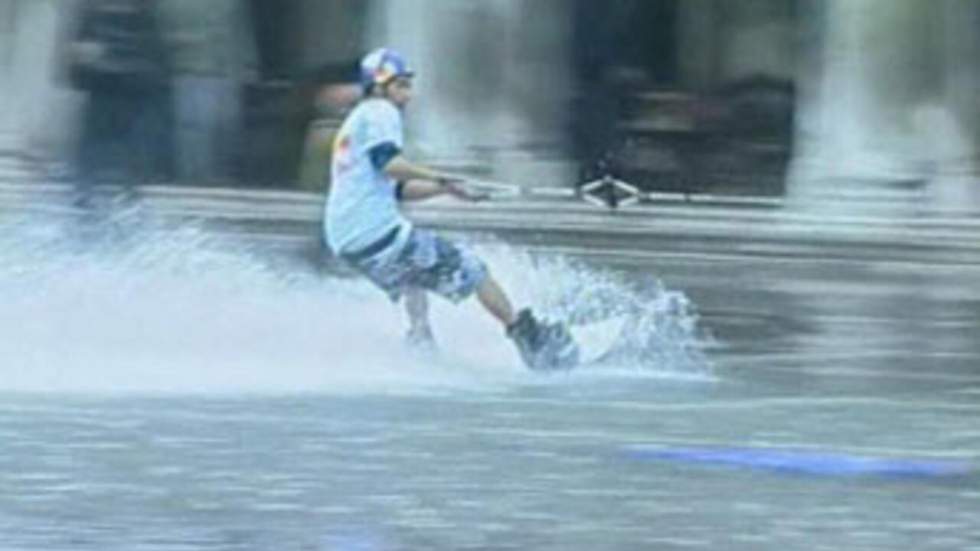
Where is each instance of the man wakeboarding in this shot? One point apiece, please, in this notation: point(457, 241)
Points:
point(364, 226)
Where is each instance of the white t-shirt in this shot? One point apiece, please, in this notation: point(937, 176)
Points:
point(361, 207)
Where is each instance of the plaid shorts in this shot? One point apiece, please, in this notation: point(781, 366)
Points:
point(426, 261)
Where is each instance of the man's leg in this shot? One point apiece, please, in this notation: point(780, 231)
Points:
point(547, 346)
point(419, 331)
point(493, 298)
point(417, 307)
point(454, 275)
point(192, 141)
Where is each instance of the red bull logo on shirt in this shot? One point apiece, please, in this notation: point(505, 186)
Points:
point(342, 152)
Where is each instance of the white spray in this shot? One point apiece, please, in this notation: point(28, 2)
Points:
point(132, 304)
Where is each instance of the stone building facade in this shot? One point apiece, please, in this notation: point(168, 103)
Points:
point(881, 89)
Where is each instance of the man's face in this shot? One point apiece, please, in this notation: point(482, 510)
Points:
point(399, 91)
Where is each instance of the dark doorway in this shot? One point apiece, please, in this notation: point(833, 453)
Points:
point(618, 48)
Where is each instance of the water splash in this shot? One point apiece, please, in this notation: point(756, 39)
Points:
point(131, 303)
point(660, 330)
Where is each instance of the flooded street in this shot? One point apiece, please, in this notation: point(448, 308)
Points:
point(212, 389)
point(760, 221)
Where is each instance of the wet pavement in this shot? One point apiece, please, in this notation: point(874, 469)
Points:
point(849, 336)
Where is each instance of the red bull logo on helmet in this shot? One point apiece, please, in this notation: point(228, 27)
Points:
point(381, 66)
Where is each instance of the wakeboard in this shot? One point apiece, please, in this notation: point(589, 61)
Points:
point(598, 341)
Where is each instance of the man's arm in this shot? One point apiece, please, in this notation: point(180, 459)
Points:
point(418, 190)
point(401, 169)
point(419, 182)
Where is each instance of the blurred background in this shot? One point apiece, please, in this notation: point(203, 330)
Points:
point(792, 98)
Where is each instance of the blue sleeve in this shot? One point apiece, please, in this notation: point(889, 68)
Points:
point(382, 154)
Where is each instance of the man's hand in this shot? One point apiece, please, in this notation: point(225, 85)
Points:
point(458, 188)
